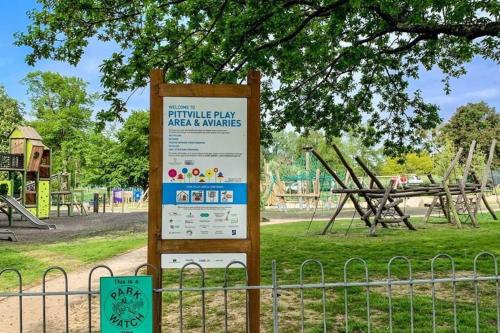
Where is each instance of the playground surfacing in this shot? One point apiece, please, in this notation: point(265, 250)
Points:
point(77, 226)
point(68, 228)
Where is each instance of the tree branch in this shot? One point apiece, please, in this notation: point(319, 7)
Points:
point(410, 44)
point(322, 11)
point(469, 31)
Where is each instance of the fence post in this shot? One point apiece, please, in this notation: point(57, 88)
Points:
point(275, 298)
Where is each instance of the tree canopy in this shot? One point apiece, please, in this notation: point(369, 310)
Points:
point(11, 115)
point(133, 150)
point(331, 65)
point(62, 109)
point(413, 164)
point(474, 121)
point(119, 158)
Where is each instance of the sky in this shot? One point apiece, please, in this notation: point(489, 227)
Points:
point(481, 83)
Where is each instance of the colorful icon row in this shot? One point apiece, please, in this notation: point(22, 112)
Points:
point(199, 177)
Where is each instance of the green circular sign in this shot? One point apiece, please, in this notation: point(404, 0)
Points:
point(126, 307)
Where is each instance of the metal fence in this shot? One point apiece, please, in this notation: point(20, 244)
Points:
point(444, 300)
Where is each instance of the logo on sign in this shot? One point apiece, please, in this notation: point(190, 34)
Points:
point(126, 307)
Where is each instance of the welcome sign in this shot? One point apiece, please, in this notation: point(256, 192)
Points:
point(126, 304)
point(204, 168)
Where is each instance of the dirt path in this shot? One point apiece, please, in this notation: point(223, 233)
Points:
point(32, 306)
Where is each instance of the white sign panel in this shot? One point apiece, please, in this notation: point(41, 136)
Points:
point(206, 260)
point(204, 168)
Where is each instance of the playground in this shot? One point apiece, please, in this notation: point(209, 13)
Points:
point(31, 195)
point(251, 167)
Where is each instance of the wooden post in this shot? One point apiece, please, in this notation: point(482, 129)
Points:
point(449, 198)
point(155, 183)
point(451, 206)
point(70, 205)
point(485, 202)
point(58, 204)
point(96, 203)
point(123, 201)
point(343, 197)
point(434, 201)
point(253, 213)
point(104, 203)
point(339, 181)
point(377, 182)
point(341, 204)
point(380, 208)
point(484, 180)
point(463, 181)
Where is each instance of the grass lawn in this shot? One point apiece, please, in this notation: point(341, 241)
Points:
point(33, 259)
point(290, 246)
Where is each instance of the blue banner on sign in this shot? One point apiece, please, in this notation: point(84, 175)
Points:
point(207, 193)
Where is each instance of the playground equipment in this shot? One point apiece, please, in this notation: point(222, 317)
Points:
point(271, 186)
point(382, 215)
point(6, 234)
point(304, 189)
point(470, 195)
point(121, 199)
point(143, 199)
point(382, 203)
point(66, 195)
point(25, 213)
point(31, 159)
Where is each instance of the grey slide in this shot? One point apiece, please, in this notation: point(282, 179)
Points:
point(32, 219)
point(6, 234)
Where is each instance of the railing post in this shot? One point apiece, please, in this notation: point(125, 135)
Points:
point(275, 298)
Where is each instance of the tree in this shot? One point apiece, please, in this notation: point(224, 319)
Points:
point(100, 160)
point(120, 158)
point(11, 115)
point(286, 153)
point(133, 150)
point(420, 164)
point(62, 109)
point(474, 121)
point(334, 65)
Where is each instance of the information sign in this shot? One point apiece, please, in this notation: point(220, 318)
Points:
point(204, 168)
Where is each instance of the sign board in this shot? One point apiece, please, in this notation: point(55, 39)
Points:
point(206, 260)
point(127, 304)
point(204, 168)
point(117, 196)
point(204, 189)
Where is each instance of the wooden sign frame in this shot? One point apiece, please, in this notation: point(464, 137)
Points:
point(251, 245)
